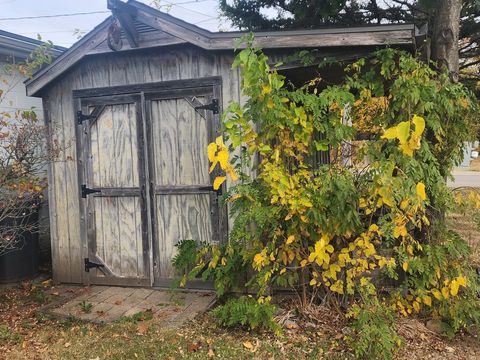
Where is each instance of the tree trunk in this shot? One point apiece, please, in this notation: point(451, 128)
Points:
point(446, 28)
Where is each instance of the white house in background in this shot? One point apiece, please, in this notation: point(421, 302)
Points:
point(14, 49)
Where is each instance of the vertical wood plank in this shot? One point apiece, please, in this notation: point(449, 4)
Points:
point(192, 144)
point(165, 141)
point(63, 273)
point(128, 236)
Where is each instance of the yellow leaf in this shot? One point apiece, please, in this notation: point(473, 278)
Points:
point(419, 125)
point(248, 345)
point(407, 150)
point(211, 149)
point(283, 271)
point(290, 239)
point(219, 180)
point(390, 133)
point(234, 197)
point(362, 203)
point(421, 191)
point(437, 294)
point(231, 172)
point(223, 158)
point(445, 292)
point(219, 142)
point(404, 204)
point(405, 266)
point(416, 306)
point(399, 230)
point(461, 280)
point(427, 300)
point(454, 287)
point(313, 282)
point(403, 130)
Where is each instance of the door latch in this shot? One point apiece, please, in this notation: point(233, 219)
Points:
point(213, 106)
point(90, 265)
point(87, 191)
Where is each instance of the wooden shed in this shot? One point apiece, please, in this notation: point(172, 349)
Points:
point(134, 104)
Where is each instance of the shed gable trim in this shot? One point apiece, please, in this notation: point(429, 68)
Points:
point(172, 31)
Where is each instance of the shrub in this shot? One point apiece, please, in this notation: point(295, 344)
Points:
point(246, 311)
point(23, 158)
point(373, 220)
point(375, 334)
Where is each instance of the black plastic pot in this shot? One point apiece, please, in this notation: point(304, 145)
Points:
point(22, 263)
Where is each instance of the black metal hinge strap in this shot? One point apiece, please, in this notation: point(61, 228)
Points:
point(90, 265)
point(210, 188)
point(81, 117)
point(87, 191)
point(213, 106)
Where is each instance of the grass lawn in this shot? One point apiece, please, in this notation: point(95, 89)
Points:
point(24, 334)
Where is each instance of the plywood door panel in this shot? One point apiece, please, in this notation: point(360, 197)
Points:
point(183, 208)
point(180, 217)
point(119, 235)
point(116, 215)
point(114, 154)
point(180, 139)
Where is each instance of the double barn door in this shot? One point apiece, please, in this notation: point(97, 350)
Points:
point(145, 185)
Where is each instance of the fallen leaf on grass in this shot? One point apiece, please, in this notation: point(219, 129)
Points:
point(248, 345)
point(192, 347)
point(142, 328)
point(210, 353)
point(67, 344)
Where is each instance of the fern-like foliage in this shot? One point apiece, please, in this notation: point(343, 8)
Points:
point(246, 312)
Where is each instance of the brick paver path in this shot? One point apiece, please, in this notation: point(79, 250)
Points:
point(103, 304)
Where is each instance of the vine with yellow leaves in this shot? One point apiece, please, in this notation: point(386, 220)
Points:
point(359, 226)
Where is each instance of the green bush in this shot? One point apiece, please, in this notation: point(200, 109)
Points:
point(375, 334)
point(246, 311)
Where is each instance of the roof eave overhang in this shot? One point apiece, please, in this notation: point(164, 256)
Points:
point(382, 35)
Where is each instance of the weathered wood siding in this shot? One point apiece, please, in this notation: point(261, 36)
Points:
point(174, 63)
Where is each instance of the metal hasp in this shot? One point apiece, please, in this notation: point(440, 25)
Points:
point(90, 265)
point(87, 191)
point(213, 106)
point(210, 188)
point(81, 117)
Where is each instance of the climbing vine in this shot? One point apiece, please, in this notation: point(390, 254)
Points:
point(369, 222)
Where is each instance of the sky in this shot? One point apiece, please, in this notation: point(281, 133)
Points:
point(62, 30)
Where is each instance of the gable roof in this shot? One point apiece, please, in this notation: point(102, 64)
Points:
point(19, 47)
point(155, 28)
